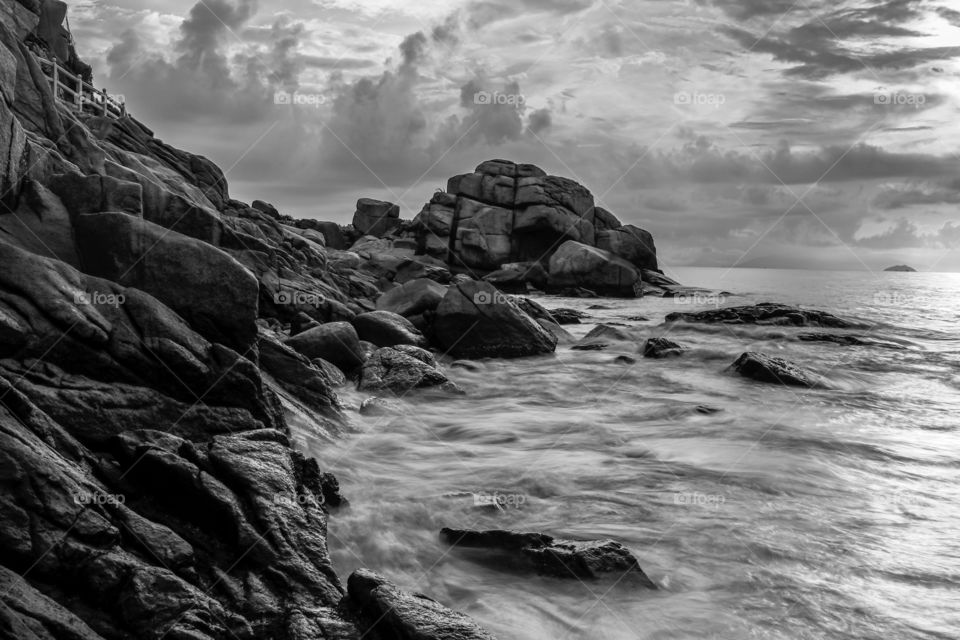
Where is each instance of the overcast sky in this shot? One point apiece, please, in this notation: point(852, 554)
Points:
point(739, 132)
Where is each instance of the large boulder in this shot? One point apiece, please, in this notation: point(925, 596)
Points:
point(387, 329)
point(402, 369)
point(579, 265)
point(211, 290)
point(631, 243)
point(388, 612)
point(413, 298)
point(335, 342)
point(477, 321)
point(375, 217)
point(662, 348)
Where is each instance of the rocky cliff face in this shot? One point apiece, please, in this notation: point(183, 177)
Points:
point(153, 334)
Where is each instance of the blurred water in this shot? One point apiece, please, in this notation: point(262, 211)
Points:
point(787, 514)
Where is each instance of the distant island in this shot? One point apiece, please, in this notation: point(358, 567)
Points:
point(901, 267)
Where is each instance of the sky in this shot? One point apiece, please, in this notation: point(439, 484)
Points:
point(741, 133)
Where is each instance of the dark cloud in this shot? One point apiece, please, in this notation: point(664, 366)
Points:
point(907, 195)
point(540, 120)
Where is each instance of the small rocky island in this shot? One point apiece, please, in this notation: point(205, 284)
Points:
point(901, 267)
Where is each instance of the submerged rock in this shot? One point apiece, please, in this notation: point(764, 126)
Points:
point(583, 559)
point(567, 316)
point(477, 321)
point(767, 313)
point(387, 612)
point(847, 340)
point(602, 337)
point(662, 348)
point(764, 368)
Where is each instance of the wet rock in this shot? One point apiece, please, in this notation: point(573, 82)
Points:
point(847, 340)
point(567, 316)
point(335, 342)
point(387, 329)
point(376, 407)
point(625, 360)
point(764, 368)
point(767, 313)
point(576, 264)
point(211, 290)
point(477, 321)
point(401, 371)
point(387, 611)
point(602, 337)
point(583, 559)
point(633, 244)
point(662, 348)
point(468, 365)
point(413, 298)
point(296, 373)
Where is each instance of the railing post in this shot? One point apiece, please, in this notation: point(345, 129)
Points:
point(105, 97)
point(56, 79)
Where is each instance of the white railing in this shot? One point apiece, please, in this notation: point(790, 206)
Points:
point(81, 96)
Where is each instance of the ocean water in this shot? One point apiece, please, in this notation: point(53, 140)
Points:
point(801, 514)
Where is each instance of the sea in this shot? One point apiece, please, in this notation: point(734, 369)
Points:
point(761, 511)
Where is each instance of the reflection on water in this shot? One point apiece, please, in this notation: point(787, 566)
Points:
point(785, 514)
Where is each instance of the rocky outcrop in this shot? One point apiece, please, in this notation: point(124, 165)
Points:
point(901, 267)
point(477, 321)
point(388, 612)
point(764, 368)
point(505, 213)
point(767, 313)
point(580, 559)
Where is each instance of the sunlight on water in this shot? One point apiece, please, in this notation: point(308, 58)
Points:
point(786, 514)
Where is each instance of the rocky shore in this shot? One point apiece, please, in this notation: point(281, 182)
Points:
point(155, 333)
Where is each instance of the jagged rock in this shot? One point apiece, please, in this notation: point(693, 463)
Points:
point(764, 368)
point(387, 329)
point(206, 286)
point(582, 559)
point(602, 337)
point(401, 370)
point(336, 342)
point(27, 614)
point(661, 348)
point(576, 264)
point(413, 298)
point(375, 217)
point(767, 313)
point(477, 321)
point(387, 611)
